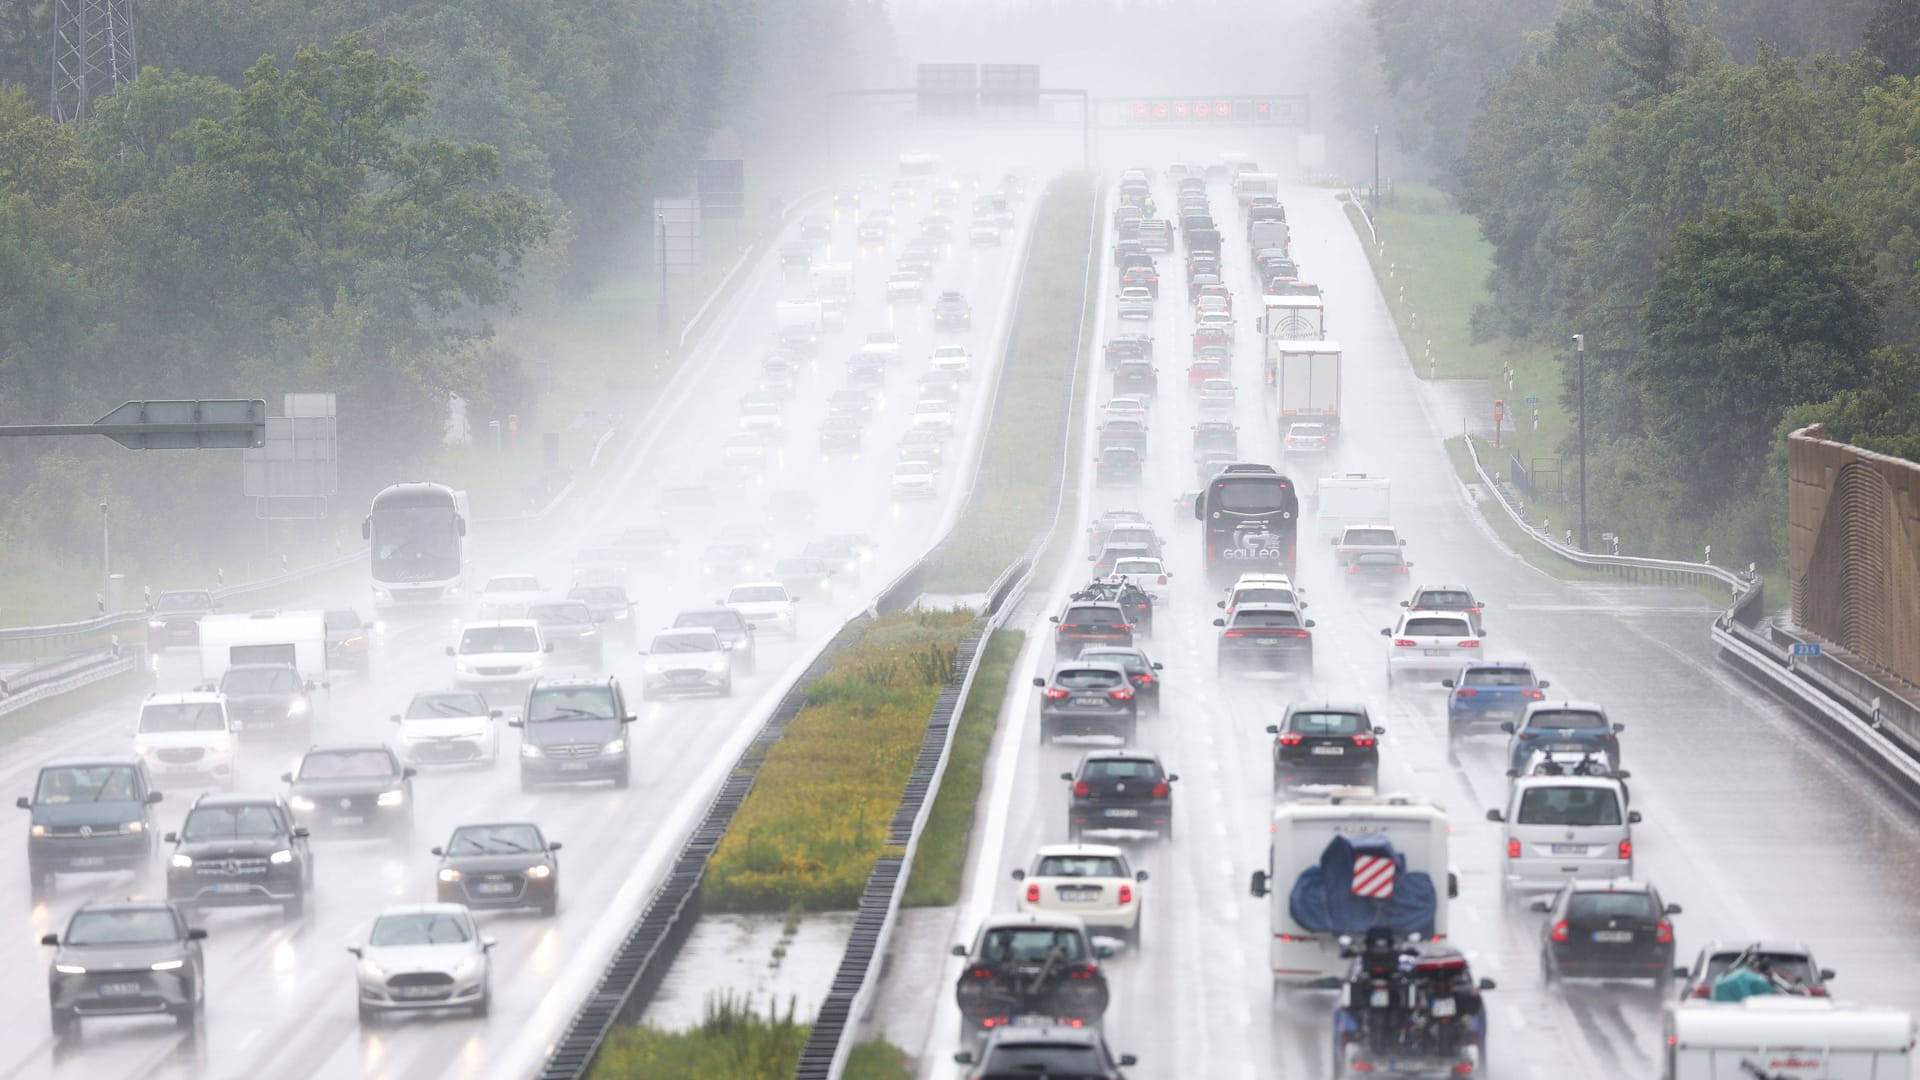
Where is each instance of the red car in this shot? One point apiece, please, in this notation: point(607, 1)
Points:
point(1202, 370)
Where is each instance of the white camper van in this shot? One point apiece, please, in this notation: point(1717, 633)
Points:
point(1785, 1037)
point(1305, 832)
point(1345, 499)
point(264, 637)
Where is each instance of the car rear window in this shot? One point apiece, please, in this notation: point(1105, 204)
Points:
point(1577, 806)
point(1277, 620)
point(1377, 558)
point(1450, 601)
point(685, 643)
point(1136, 566)
point(1104, 656)
point(1498, 677)
point(1262, 596)
point(1436, 628)
point(1093, 616)
point(1370, 537)
point(1568, 720)
point(1121, 769)
point(1087, 679)
point(718, 620)
point(1090, 866)
point(1795, 966)
point(1327, 723)
point(1607, 905)
point(1031, 945)
point(1023, 1061)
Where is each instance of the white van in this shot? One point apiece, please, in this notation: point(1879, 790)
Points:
point(1303, 829)
point(1350, 499)
point(1562, 827)
point(1788, 1038)
point(264, 637)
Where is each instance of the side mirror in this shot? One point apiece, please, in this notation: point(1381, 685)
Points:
point(493, 714)
point(1617, 728)
point(1379, 730)
point(516, 722)
point(50, 939)
point(1541, 905)
point(487, 944)
point(1103, 951)
point(1128, 1060)
point(548, 647)
point(301, 832)
point(394, 719)
point(1335, 541)
point(1623, 775)
point(356, 950)
point(440, 851)
point(1406, 604)
point(1828, 973)
point(1453, 885)
point(154, 797)
point(1219, 622)
point(1309, 624)
point(1633, 817)
point(1221, 604)
point(1067, 776)
point(23, 803)
point(1141, 875)
point(1019, 875)
point(1409, 565)
point(1488, 984)
point(1495, 815)
point(170, 838)
point(286, 778)
point(409, 772)
point(1511, 773)
point(1403, 543)
point(1386, 631)
point(1258, 885)
point(1273, 729)
point(1038, 681)
point(1157, 666)
point(1056, 618)
point(1173, 778)
point(959, 950)
point(1506, 726)
point(1544, 684)
point(1673, 909)
point(196, 934)
point(1682, 973)
point(450, 651)
point(964, 1057)
point(1448, 683)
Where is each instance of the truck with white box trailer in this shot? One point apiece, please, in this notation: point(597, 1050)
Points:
point(1786, 1037)
point(1306, 383)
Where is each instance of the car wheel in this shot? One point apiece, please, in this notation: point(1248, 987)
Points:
point(1166, 831)
point(1549, 974)
point(1046, 736)
point(485, 1003)
point(1132, 736)
point(626, 777)
point(369, 1016)
point(526, 783)
point(726, 688)
point(296, 907)
point(1139, 923)
point(1073, 834)
point(40, 884)
point(551, 905)
point(186, 1016)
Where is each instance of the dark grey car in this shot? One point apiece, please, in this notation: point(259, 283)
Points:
point(1265, 637)
point(352, 790)
point(569, 626)
point(612, 609)
point(734, 630)
point(90, 814)
point(806, 578)
point(505, 865)
point(240, 851)
point(1088, 698)
point(126, 958)
point(269, 701)
point(575, 730)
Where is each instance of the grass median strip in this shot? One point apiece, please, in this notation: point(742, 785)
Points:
point(1013, 497)
point(734, 1042)
point(809, 831)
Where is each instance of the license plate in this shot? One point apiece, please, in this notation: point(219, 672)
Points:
point(412, 991)
point(494, 888)
point(1033, 1021)
point(1613, 937)
point(1444, 1006)
point(127, 989)
point(87, 860)
point(1569, 849)
point(1437, 652)
point(1379, 998)
point(573, 766)
point(1087, 702)
point(1330, 751)
point(1123, 813)
point(231, 887)
point(350, 819)
point(1570, 747)
point(1266, 641)
point(1078, 896)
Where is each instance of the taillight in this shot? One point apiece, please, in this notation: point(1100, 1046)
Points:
point(1364, 740)
point(1160, 789)
point(1054, 693)
point(1126, 894)
point(1295, 633)
point(1663, 932)
point(1463, 1068)
point(1122, 694)
point(980, 971)
point(1402, 570)
point(1513, 849)
point(1526, 736)
point(1033, 894)
point(1069, 626)
point(1404, 643)
point(1081, 790)
point(1560, 931)
point(1143, 679)
point(1234, 633)
point(1473, 611)
point(1163, 579)
point(1533, 695)
point(1469, 643)
point(1466, 691)
point(1626, 849)
point(1354, 569)
point(1085, 971)
point(1291, 738)
point(1701, 991)
point(1817, 991)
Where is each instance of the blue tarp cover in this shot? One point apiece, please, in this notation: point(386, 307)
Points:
point(1322, 899)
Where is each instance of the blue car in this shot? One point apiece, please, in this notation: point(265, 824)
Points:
point(1488, 693)
point(1573, 726)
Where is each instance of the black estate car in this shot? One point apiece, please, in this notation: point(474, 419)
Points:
point(353, 790)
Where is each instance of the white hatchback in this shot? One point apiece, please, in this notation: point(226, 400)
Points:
point(499, 659)
point(423, 956)
point(1092, 881)
point(914, 480)
point(507, 596)
point(448, 727)
point(185, 736)
point(765, 604)
point(952, 359)
point(1430, 646)
point(932, 414)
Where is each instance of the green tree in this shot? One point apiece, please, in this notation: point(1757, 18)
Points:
point(1752, 312)
point(1882, 413)
point(1893, 36)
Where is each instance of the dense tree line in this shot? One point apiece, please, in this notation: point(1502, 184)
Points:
point(345, 196)
point(1724, 204)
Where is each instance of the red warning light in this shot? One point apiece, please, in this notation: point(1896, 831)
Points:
point(1159, 110)
point(1223, 109)
point(1179, 110)
point(1202, 109)
point(1141, 110)
point(1263, 110)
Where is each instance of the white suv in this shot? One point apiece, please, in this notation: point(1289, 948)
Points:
point(1562, 827)
point(764, 604)
point(1430, 645)
point(499, 659)
point(186, 736)
point(953, 359)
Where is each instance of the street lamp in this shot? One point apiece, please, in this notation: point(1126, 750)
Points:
point(106, 550)
point(660, 251)
point(1580, 392)
point(1376, 172)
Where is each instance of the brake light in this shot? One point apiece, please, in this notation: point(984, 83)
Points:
point(1817, 991)
point(1560, 932)
point(1362, 1066)
point(1364, 740)
point(1473, 611)
point(1033, 894)
point(1126, 894)
point(1469, 643)
point(1466, 691)
point(1402, 570)
point(1163, 579)
point(1526, 736)
point(1054, 693)
point(1294, 633)
point(1160, 789)
point(980, 971)
point(1234, 633)
point(1626, 849)
point(1701, 991)
point(1533, 695)
point(1513, 849)
point(1291, 738)
point(1353, 568)
point(1081, 790)
point(1084, 971)
point(1404, 643)
point(1463, 1068)
point(1122, 694)
point(1663, 932)
point(1069, 626)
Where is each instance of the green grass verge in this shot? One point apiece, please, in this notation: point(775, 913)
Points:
point(1013, 497)
point(1511, 534)
point(809, 831)
point(940, 861)
point(734, 1042)
point(45, 714)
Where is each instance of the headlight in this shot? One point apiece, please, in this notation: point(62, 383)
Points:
point(38, 830)
point(181, 862)
point(380, 593)
point(396, 797)
point(538, 663)
point(541, 871)
point(449, 874)
point(462, 667)
point(300, 802)
point(136, 826)
point(298, 707)
point(717, 665)
point(621, 616)
point(221, 744)
point(467, 968)
point(142, 747)
point(589, 633)
point(453, 590)
point(281, 857)
point(371, 970)
point(528, 749)
point(169, 965)
point(70, 969)
point(617, 746)
point(652, 666)
point(157, 624)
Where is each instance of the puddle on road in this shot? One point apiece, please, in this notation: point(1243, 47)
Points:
point(735, 954)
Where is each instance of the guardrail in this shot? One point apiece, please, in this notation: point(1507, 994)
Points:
point(1880, 729)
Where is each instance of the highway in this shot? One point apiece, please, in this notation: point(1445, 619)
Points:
point(281, 995)
point(1751, 823)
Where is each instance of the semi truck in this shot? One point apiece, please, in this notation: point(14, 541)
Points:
point(1306, 383)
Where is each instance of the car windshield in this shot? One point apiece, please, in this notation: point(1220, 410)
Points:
point(757, 594)
point(1092, 616)
point(86, 783)
point(1121, 769)
point(1094, 866)
point(143, 926)
point(500, 639)
point(571, 703)
point(717, 620)
point(1276, 620)
point(685, 643)
point(1577, 806)
point(193, 716)
point(575, 613)
point(829, 551)
point(1607, 905)
point(599, 594)
point(260, 680)
point(1498, 677)
point(183, 601)
point(1031, 945)
point(1436, 628)
point(1567, 720)
point(1328, 723)
point(1445, 600)
point(1054, 1061)
point(494, 840)
point(421, 928)
point(1264, 595)
point(346, 765)
point(231, 822)
point(445, 703)
point(513, 584)
point(798, 567)
point(1370, 537)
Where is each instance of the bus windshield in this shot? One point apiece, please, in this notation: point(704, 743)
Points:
point(415, 538)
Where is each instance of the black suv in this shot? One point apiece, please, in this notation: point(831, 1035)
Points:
point(89, 814)
point(351, 790)
point(240, 851)
point(1326, 744)
point(574, 730)
point(1120, 789)
point(1044, 1051)
point(173, 618)
point(265, 700)
point(1607, 930)
point(126, 957)
point(734, 630)
point(1264, 637)
point(1091, 623)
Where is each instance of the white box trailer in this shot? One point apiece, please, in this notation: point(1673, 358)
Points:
point(1248, 186)
point(1306, 383)
point(1345, 499)
point(1785, 1037)
point(264, 637)
point(1302, 830)
point(1293, 318)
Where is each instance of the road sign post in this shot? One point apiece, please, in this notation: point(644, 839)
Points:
point(209, 424)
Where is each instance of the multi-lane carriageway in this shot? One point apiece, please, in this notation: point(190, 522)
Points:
point(280, 999)
point(1751, 822)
